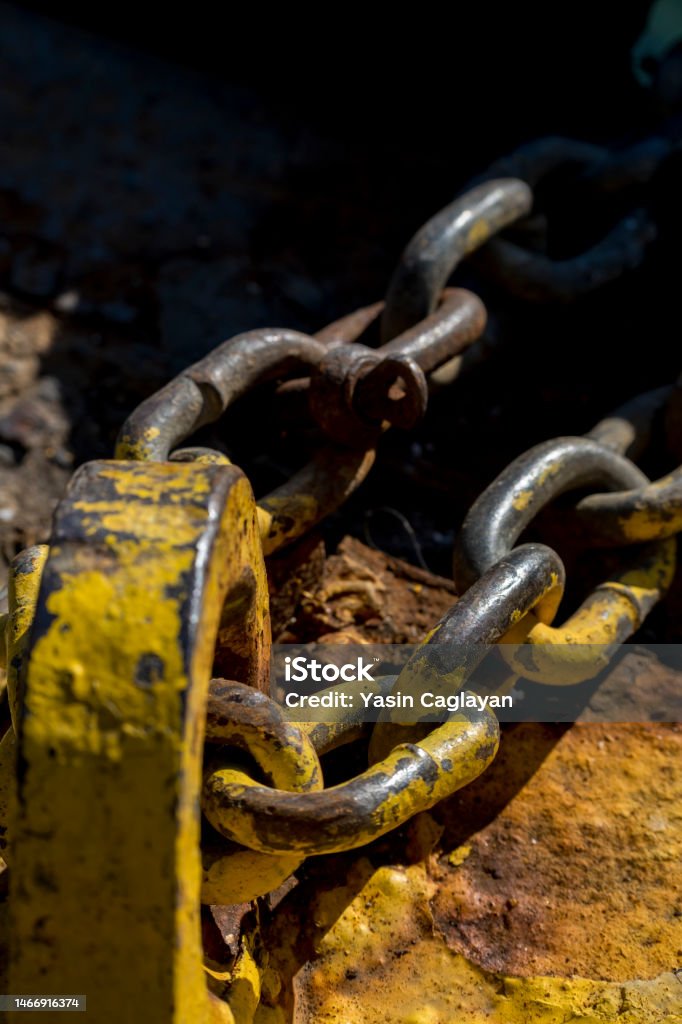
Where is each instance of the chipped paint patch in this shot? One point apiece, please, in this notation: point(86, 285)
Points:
point(522, 500)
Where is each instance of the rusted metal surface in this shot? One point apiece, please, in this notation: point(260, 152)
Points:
point(581, 647)
point(312, 493)
point(533, 276)
point(436, 249)
point(508, 505)
point(203, 392)
point(529, 577)
point(627, 517)
point(356, 392)
point(241, 718)
point(628, 430)
point(449, 921)
point(601, 808)
point(351, 326)
point(410, 778)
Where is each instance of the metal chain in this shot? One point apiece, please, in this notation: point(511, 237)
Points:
point(263, 797)
point(356, 392)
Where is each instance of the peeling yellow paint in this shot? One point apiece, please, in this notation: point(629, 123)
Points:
point(377, 960)
point(282, 519)
point(107, 826)
point(522, 500)
point(459, 855)
point(478, 234)
point(24, 581)
point(311, 494)
point(239, 989)
point(127, 448)
point(291, 510)
point(457, 752)
point(586, 642)
point(551, 469)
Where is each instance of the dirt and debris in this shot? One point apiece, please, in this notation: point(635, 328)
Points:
point(64, 390)
point(378, 598)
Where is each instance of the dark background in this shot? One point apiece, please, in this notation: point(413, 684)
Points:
point(172, 177)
